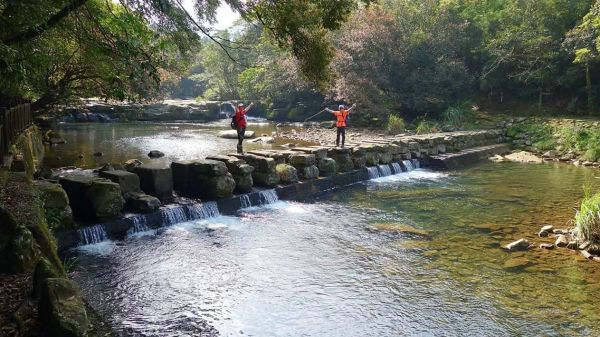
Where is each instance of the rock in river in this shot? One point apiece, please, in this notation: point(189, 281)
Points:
point(518, 245)
point(232, 134)
point(155, 154)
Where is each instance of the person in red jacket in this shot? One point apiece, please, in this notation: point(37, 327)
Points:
point(341, 116)
point(240, 121)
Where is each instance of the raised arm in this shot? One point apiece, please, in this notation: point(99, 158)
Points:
point(249, 107)
point(352, 107)
point(329, 110)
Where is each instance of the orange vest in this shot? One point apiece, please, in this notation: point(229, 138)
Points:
point(341, 118)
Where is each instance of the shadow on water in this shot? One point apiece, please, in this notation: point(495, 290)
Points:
point(412, 254)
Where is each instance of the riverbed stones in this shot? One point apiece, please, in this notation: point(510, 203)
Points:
point(561, 241)
point(156, 179)
point(545, 231)
point(548, 246)
point(139, 202)
point(287, 173)
point(519, 245)
point(129, 182)
point(61, 309)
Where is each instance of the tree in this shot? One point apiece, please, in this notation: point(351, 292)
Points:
point(583, 41)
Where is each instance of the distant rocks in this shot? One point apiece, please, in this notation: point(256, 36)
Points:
point(523, 157)
point(232, 134)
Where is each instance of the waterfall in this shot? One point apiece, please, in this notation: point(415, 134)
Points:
point(416, 163)
point(268, 197)
point(92, 234)
point(408, 165)
point(373, 172)
point(396, 168)
point(245, 201)
point(384, 170)
point(203, 211)
point(138, 225)
point(173, 215)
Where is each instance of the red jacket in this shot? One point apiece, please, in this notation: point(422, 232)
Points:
point(240, 117)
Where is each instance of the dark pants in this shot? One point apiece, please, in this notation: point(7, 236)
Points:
point(340, 131)
point(240, 134)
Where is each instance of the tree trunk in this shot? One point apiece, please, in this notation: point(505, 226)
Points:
point(588, 88)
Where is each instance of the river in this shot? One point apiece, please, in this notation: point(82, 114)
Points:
point(346, 264)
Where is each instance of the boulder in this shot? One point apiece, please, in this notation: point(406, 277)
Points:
point(359, 161)
point(155, 154)
point(139, 202)
point(327, 167)
point(43, 270)
point(18, 249)
point(547, 246)
point(131, 164)
point(181, 174)
point(561, 241)
point(518, 245)
point(128, 182)
point(265, 179)
point(208, 167)
point(545, 230)
point(343, 162)
point(76, 187)
point(106, 198)
point(308, 172)
point(385, 157)
point(61, 309)
point(243, 182)
point(156, 179)
point(287, 173)
point(302, 159)
point(232, 134)
point(372, 158)
point(211, 187)
point(53, 195)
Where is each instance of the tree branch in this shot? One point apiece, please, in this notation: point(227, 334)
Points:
point(39, 29)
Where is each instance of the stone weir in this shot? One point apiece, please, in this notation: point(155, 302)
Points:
point(153, 195)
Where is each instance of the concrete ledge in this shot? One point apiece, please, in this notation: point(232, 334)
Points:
point(464, 158)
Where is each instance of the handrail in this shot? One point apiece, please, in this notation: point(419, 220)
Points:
point(13, 121)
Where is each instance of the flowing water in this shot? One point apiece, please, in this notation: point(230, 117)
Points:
point(411, 254)
point(119, 142)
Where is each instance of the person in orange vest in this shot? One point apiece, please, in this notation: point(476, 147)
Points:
point(341, 116)
point(240, 124)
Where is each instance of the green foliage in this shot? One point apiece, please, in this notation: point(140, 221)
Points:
point(459, 116)
point(587, 218)
point(395, 124)
point(425, 126)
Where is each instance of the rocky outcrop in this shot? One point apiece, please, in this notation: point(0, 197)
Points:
point(61, 309)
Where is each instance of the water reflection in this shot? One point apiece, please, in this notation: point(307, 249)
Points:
point(119, 142)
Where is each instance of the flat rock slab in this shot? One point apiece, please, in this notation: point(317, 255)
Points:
point(129, 182)
point(232, 134)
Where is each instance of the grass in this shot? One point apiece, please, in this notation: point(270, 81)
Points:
point(425, 126)
point(587, 219)
point(395, 125)
point(460, 116)
point(582, 140)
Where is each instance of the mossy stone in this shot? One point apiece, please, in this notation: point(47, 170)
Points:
point(61, 309)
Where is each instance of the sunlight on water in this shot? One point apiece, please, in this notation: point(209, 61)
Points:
point(416, 254)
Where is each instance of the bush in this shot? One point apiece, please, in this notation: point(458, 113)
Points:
point(459, 116)
point(426, 126)
point(395, 124)
point(587, 219)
